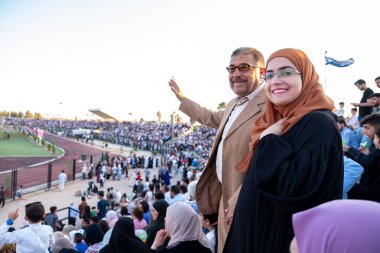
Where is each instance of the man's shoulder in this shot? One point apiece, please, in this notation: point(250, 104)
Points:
point(368, 91)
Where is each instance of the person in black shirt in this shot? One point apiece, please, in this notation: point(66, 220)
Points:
point(364, 106)
point(102, 205)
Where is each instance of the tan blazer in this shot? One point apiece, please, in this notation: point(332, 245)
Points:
point(209, 189)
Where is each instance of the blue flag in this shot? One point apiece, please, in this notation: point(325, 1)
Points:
point(340, 64)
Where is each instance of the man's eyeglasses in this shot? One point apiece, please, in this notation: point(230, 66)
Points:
point(282, 73)
point(242, 68)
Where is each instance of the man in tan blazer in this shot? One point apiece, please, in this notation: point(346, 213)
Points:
point(219, 186)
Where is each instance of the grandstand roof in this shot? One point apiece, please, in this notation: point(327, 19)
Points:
point(102, 115)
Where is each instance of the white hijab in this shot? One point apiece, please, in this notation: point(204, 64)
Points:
point(111, 217)
point(182, 223)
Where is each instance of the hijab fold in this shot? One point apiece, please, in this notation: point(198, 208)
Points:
point(312, 98)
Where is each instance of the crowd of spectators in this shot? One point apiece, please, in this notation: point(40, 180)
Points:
point(163, 138)
point(119, 222)
point(161, 216)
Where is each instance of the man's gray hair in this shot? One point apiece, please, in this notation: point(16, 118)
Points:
point(256, 54)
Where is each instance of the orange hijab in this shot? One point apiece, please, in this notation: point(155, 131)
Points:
point(312, 98)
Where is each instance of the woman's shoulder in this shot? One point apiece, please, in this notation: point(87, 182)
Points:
point(323, 119)
point(317, 125)
point(317, 116)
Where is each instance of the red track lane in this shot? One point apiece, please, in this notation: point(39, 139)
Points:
point(8, 163)
point(29, 177)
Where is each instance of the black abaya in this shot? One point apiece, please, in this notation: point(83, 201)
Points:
point(294, 172)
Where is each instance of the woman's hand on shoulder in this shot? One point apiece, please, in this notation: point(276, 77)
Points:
point(275, 129)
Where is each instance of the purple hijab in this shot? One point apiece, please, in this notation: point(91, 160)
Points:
point(343, 226)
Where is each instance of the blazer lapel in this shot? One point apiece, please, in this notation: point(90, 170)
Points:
point(253, 108)
point(218, 135)
point(226, 115)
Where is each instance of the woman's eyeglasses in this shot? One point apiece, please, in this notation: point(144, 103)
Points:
point(282, 73)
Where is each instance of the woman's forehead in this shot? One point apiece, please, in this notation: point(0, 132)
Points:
point(279, 62)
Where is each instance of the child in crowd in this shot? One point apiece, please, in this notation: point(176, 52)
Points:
point(93, 211)
point(33, 238)
point(210, 222)
point(138, 218)
point(19, 193)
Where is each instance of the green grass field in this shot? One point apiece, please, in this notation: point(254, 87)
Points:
point(20, 146)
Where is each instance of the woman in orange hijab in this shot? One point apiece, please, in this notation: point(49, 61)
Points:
point(297, 161)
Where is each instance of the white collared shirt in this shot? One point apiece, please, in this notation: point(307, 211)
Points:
point(233, 116)
point(35, 238)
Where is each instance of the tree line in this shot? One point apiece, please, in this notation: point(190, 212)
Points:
point(28, 114)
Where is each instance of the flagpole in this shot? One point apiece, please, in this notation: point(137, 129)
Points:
point(325, 75)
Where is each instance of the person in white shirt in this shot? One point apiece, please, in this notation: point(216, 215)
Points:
point(353, 120)
point(149, 194)
point(32, 238)
point(340, 112)
point(117, 196)
point(84, 171)
point(184, 192)
point(146, 185)
point(62, 179)
point(175, 195)
point(190, 173)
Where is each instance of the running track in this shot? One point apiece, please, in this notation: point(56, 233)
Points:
point(32, 176)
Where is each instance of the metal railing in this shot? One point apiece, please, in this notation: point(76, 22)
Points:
point(69, 210)
point(43, 176)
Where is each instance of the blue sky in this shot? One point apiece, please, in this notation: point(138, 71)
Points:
point(62, 58)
